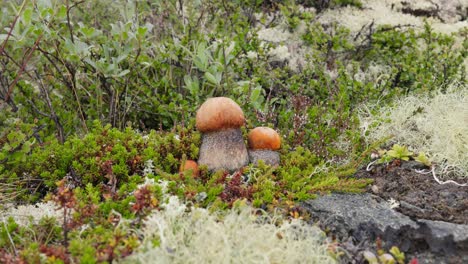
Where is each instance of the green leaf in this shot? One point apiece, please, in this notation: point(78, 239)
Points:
point(15, 138)
point(399, 152)
point(122, 73)
point(255, 94)
point(26, 148)
point(27, 14)
point(3, 37)
point(142, 31)
point(191, 84)
point(6, 147)
point(88, 32)
point(422, 158)
point(399, 256)
point(201, 63)
point(211, 78)
point(62, 13)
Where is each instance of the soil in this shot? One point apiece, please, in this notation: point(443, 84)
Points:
point(419, 195)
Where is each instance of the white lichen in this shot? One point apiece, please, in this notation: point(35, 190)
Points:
point(436, 125)
point(280, 53)
point(25, 214)
point(378, 12)
point(389, 12)
point(252, 55)
point(239, 236)
point(149, 167)
point(274, 35)
point(393, 203)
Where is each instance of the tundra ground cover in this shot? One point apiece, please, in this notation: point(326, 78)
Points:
point(97, 95)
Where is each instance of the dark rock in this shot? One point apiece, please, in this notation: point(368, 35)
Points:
point(364, 218)
point(410, 207)
point(360, 216)
point(446, 237)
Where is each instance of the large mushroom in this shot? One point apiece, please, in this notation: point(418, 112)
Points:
point(263, 141)
point(223, 148)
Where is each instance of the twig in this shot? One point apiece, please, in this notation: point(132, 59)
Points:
point(69, 23)
point(53, 115)
point(369, 168)
point(12, 27)
point(23, 66)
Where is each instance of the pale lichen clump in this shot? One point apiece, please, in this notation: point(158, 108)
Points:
point(32, 213)
point(238, 236)
point(378, 12)
point(390, 12)
point(436, 125)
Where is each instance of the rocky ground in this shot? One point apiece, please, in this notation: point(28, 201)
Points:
point(404, 208)
point(418, 194)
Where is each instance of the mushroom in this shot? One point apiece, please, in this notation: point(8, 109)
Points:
point(263, 141)
point(190, 165)
point(223, 148)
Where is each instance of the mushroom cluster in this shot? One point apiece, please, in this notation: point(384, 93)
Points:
point(222, 148)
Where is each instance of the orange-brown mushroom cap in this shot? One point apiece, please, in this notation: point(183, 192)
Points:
point(264, 138)
point(219, 113)
point(190, 165)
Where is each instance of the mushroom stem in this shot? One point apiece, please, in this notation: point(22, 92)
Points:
point(224, 149)
point(270, 157)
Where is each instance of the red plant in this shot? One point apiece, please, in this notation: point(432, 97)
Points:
point(115, 249)
point(144, 200)
point(108, 172)
point(66, 200)
point(135, 163)
point(8, 258)
point(56, 252)
point(236, 189)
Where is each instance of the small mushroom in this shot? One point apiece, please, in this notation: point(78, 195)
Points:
point(190, 165)
point(223, 148)
point(263, 141)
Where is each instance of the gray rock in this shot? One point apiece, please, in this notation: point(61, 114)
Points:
point(363, 218)
point(223, 150)
point(447, 237)
point(270, 157)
